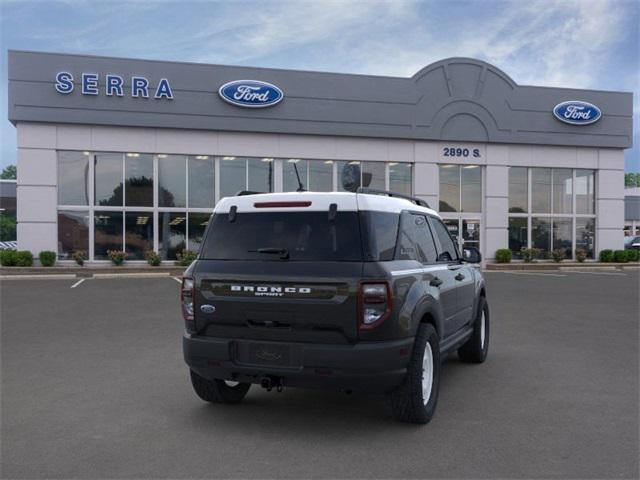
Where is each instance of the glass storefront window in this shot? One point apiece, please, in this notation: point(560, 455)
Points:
point(517, 235)
point(320, 175)
point(73, 178)
point(585, 235)
point(107, 233)
point(518, 190)
point(171, 181)
point(129, 183)
point(449, 188)
point(541, 235)
point(260, 174)
point(562, 235)
point(233, 176)
point(541, 190)
point(172, 234)
point(201, 182)
point(138, 173)
point(585, 192)
point(400, 177)
point(138, 237)
point(108, 179)
point(73, 233)
point(290, 182)
point(562, 190)
point(471, 188)
point(197, 224)
point(373, 174)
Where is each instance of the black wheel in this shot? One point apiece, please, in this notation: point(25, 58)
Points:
point(415, 400)
point(476, 348)
point(218, 391)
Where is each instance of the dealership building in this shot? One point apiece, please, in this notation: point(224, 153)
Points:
point(133, 155)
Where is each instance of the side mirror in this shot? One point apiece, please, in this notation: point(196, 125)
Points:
point(471, 255)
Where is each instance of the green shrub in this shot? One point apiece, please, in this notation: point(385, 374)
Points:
point(186, 257)
point(24, 258)
point(620, 256)
point(558, 255)
point(79, 256)
point(47, 258)
point(117, 256)
point(581, 254)
point(153, 258)
point(633, 255)
point(503, 255)
point(606, 255)
point(530, 254)
point(7, 258)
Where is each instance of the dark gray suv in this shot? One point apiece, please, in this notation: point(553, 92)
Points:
point(351, 291)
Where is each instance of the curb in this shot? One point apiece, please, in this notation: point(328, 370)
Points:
point(90, 272)
point(495, 267)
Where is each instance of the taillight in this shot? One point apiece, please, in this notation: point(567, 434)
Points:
point(186, 299)
point(374, 304)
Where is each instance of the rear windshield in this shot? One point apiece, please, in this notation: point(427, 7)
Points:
point(284, 236)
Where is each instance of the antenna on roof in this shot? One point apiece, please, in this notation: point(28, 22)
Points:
point(300, 186)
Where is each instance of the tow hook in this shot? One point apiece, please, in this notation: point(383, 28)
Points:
point(269, 382)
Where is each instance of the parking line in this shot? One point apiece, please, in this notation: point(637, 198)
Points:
point(536, 274)
point(78, 283)
point(599, 273)
point(177, 280)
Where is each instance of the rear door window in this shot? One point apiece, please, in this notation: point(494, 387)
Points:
point(415, 241)
point(447, 248)
point(304, 236)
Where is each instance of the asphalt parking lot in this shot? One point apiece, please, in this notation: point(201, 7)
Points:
point(94, 386)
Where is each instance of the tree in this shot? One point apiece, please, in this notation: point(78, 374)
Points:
point(632, 180)
point(9, 173)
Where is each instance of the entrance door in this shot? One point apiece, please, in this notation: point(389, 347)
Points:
point(465, 231)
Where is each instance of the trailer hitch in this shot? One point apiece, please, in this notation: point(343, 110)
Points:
point(268, 382)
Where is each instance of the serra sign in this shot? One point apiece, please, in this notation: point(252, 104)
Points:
point(577, 112)
point(250, 93)
point(113, 85)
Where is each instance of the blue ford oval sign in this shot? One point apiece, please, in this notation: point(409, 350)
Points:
point(577, 112)
point(250, 93)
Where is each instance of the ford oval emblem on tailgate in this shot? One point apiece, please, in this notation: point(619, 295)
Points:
point(207, 308)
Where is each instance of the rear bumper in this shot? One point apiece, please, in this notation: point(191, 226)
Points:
point(368, 367)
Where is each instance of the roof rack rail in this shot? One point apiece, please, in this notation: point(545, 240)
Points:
point(374, 191)
point(242, 193)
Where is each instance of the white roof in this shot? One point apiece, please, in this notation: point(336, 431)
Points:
point(319, 201)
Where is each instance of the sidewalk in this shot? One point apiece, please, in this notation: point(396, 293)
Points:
point(90, 271)
point(540, 265)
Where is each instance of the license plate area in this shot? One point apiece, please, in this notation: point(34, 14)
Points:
point(267, 354)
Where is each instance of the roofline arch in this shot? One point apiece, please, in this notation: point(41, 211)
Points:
point(473, 61)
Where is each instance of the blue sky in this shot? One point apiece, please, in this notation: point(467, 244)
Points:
point(569, 43)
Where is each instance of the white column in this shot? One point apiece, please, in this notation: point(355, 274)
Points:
point(426, 177)
point(610, 200)
point(496, 209)
point(36, 194)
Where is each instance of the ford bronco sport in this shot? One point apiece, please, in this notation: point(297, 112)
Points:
point(357, 291)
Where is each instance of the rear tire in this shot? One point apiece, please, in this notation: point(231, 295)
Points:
point(476, 348)
point(218, 391)
point(415, 400)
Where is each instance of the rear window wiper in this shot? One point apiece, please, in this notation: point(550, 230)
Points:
point(283, 252)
